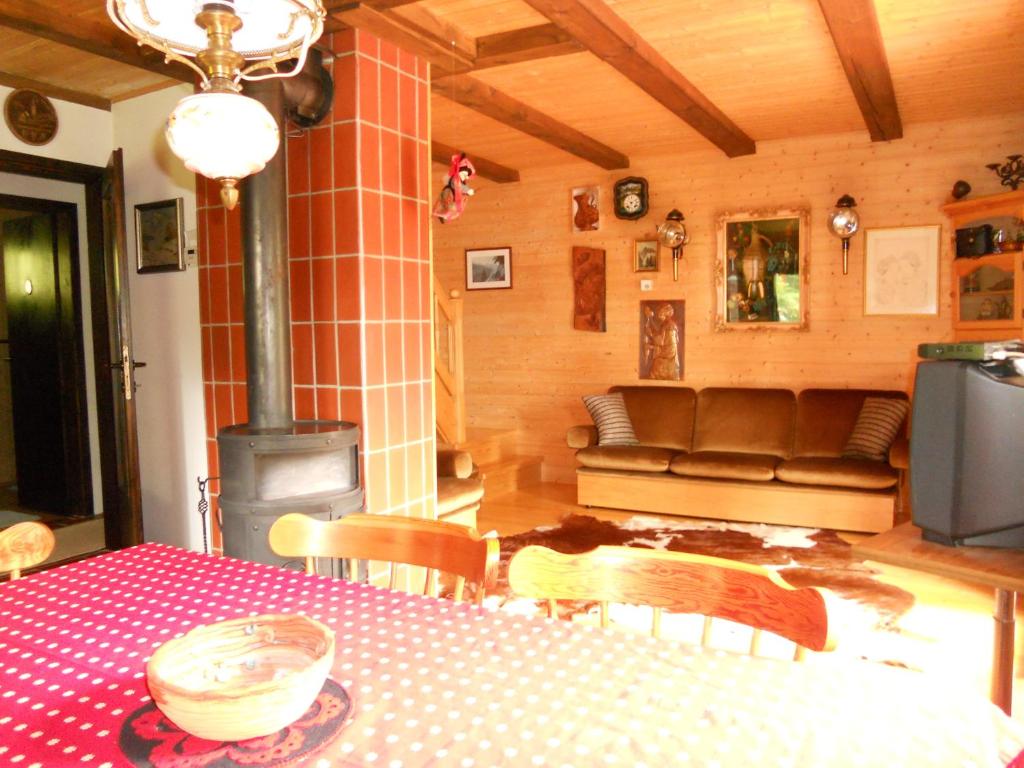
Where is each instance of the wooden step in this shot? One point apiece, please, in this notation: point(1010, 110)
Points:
point(510, 474)
point(489, 446)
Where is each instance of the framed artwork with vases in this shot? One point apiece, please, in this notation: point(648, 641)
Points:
point(760, 279)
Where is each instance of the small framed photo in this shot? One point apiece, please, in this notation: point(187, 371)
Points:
point(901, 271)
point(645, 256)
point(159, 236)
point(488, 268)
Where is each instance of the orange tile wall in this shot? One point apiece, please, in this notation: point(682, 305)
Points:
point(360, 279)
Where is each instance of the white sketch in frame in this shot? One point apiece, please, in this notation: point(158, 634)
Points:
point(901, 271)
point(488, 268)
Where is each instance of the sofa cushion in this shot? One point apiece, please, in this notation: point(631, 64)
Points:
point(638, 458)
point(662, 416)
point(736, 420)
point(880, 420)
point(454, 493)
point(846, 473)
point(611, 419)
point(724, 465)
point(825, 419)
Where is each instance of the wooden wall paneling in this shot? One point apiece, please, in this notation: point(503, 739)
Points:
point(526, 368)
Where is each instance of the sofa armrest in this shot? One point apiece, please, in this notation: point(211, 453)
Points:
point(454, 463)
point(899, 453)
point(582, 436)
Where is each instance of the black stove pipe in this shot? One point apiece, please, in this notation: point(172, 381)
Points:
point(268, 353)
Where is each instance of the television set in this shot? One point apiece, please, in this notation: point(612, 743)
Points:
point(967, 454)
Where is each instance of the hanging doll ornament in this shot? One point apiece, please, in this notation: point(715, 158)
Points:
point(452, 200)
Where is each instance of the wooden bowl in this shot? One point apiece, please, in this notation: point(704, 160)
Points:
point(241, 678)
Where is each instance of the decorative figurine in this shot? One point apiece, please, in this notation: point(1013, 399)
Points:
point(1010, 173)
point(452, 200)
point(961, 189)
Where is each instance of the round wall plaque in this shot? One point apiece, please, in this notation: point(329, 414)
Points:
point(31, 117)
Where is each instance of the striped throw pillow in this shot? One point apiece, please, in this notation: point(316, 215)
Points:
point(611, 419)
point(879, 420)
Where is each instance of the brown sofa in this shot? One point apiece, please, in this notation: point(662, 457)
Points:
point(759, 455)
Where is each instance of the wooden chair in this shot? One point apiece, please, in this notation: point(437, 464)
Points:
point(677, 582)
point(432, 544)
point(24, 545)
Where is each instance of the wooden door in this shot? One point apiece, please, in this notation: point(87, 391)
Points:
point(116, 400)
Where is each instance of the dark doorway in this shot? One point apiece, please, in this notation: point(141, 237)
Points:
point(111, 331)
point(44, 353)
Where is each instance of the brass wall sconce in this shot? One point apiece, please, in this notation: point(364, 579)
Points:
point(672, 234)
point(843, 222)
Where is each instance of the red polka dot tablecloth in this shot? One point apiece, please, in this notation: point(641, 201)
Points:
point(434, 683)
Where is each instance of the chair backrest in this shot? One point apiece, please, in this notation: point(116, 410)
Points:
point(432, 544)
point(24, 545)
point(678, 582)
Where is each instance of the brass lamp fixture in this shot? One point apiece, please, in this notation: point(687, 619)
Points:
point(672, 234)
point(843, 222)
point(219, 133)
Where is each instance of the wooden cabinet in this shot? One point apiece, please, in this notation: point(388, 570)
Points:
point(988, 290)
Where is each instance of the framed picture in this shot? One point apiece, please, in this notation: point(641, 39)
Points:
point(588, 281)
point(901, 271)
point(586, 214)
point(159, 236)
point(661, 339)
point(760, 279)
point(645, 256)
point(488, 268)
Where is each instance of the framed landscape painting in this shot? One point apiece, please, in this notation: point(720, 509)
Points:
point(488, 268)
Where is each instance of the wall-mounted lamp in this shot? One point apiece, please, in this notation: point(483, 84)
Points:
point(843, 222)
point(220, 133)
point(28, 287)
point(672, 234)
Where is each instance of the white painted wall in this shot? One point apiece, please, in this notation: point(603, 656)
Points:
point(83, 134)
point(66, 192)
point(165, 324)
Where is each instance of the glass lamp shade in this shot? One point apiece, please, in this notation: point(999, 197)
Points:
point(223, 136)
point(843, 222)
point(269, 27)
point(672, 233)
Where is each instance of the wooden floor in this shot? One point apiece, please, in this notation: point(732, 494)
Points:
point(951, 618)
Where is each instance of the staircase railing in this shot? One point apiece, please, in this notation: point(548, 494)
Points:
point(450, 397)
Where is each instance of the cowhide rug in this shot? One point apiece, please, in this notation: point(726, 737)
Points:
point(802, 556)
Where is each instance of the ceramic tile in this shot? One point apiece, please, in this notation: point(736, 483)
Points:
point(346, 221)
point(233, 230)
point(322, 224)
point(369, 151)
point(302, 354)
point(236, 294)
point(349, 355)
point(412, 338)
point(321, 158)
point(388, 53)
point(345, 88)
point(376, 482)
point(376, 418)
point(392, 289)
point(410, 164)
point(240, 402)
point(325, 353)
point(407, 123)
point(373, 354)
point(394, 360)
point(411, 290)
point(207, 352)
point(224, 403)
point(218, 236)
point(392, 226)
point(346, 269)
point(373, 288)
point(352, 406)
point(327, 406)
point(323, 289)
point(220, 344)
point(237, 336)
point(297, 159)
point(345, 154)
point(368, 80)
point(390, 160)
point(389, 98)
point(299, 284)
point(304, 402)
point(298, 227)
point(371, 224)
point(209, 410)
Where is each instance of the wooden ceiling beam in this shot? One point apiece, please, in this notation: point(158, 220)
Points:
point(55, 92)
point(611, 39)
point(488, 169)
point(98, 38)
point(858, 40)
point(518, 45)
point(490, 101)
point(416, 30)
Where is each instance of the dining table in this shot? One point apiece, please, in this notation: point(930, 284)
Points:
point(419, 681)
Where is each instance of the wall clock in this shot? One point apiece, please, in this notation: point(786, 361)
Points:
point(31, 117)
point(630, 197)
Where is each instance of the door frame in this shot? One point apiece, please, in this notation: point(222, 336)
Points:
point(71, 361)
point(122, 522)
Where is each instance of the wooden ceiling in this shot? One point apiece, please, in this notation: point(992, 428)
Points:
point(524, 83)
